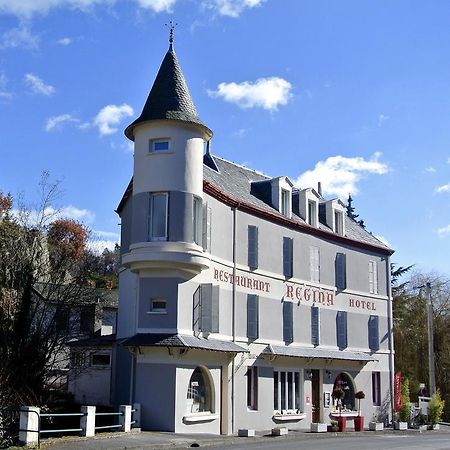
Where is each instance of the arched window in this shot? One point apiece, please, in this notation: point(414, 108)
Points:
point(345, 382)
point(200, 392)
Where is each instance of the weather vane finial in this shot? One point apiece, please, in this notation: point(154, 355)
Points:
point(171, 26)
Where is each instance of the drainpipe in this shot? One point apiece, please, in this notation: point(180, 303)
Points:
point(233, 317)
point(390, 336)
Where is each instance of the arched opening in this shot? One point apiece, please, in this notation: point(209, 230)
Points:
point(200, 393)
point(345, 382)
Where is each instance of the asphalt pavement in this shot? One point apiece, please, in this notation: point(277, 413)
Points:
point(399, 440)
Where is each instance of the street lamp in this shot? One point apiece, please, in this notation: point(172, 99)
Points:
point(431, 366)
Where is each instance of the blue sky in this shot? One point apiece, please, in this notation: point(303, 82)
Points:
point(352, 93)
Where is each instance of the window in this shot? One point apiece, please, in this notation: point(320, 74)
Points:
point(374, 336)
point(252, 316)
point(288, 257)
point(285, 203)
point(78, 359)
point(197, 220)
point(287, 393)
point(86, 320)
point(206, 309)
point(158, 306)
point(288, 322)
point(252, 388)
point(341, 271)
point(315, 325)
point(100, 359)
point(341, 329)
point(199, 394)
point(61, 320)
point(339, 222)
point(376, 389)
point(159, 145)
point(252, 247)
point(206, 228)
point(314, 264)
point(346, 383)
point(373, 277)
point(158, 216)
point(312, 213)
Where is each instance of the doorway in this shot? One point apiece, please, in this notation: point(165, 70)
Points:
point(315, 394)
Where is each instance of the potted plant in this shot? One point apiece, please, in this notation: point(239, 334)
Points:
point(338, 395)
point(435, 410)
point(333, 426)
point(359, 420)
point(404, 414)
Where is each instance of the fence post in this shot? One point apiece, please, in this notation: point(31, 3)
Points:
point(137, 415)
point(29, 425)
point(87, 422)
point(125, 417)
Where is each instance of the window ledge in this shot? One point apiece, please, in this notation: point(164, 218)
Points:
point(157, 312)
point(347, 414)
point(288, 417)
point(200, 417)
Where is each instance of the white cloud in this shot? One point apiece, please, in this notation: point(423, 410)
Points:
point(56, 122)
point(18, 37)
point(448, 160)
point(51, 214)
point(382, 118)
point(231, 8)
point(443, 188)
point(339, 175)
point(64, 41)
point(27, 8)
point(267, 93)
point(98, 245)
point(444, 231)
point(105, 234)
point(37, 85)
point(157, 5)
point(430, 169)
point(111, 115)
point(239, 134)
point(4, 93)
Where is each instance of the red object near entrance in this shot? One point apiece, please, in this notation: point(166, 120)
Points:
point(359, 423)
point(342, 423)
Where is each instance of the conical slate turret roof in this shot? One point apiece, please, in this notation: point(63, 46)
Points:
point(169, 97)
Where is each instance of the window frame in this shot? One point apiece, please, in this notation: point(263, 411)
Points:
point(285, 202)
point(314, 264)
point(197, 220)
point(157, 310)
point(100, 353)
point(281, 395)
point(252, 388)
point(376, 388)
point(373, 277)
point(150, 217)
point(312, 212)
point(154, 142)
point(339, 222)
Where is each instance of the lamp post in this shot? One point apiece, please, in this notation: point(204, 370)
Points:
point(431, 366)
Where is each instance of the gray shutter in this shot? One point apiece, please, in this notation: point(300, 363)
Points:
point(196, 312)
point(287, 257)
point(252, 316)
point(315, 331)
point(341, 275)
point(341, 329)
point(205, 227)
point(288, 334)
point(253, 247)
point(208, 229)
point(206, 308)
point(215, 309)
point(374, 337)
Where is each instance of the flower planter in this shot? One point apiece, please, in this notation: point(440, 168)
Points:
point(342, 423)
point(359, 423)
point(376, 426)
point(318, 427)
point(246, 432)
point(279, 431)
point(400, 425)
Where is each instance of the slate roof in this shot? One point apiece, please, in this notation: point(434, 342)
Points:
point(95, 341)
point(235, 180)
point(181, 341)
point(316, 353)
point(169, 97)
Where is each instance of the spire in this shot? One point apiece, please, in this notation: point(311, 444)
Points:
point(169, 97)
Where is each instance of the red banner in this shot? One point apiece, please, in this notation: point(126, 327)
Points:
point(398, 402)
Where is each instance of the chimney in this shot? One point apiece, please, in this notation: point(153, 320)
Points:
point(319, 188)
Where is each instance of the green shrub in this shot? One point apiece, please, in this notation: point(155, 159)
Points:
point(436, 408)
point(405, 412)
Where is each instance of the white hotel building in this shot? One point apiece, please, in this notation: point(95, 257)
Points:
point(243, 299)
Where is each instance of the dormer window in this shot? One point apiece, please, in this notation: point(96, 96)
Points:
point(159, 145)
point(285, 202)
point(339, 222)
point(312, 213)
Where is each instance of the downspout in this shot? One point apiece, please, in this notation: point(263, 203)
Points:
point(233, 316)
point(391, 336)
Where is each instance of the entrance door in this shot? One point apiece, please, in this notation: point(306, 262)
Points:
point(315, 394)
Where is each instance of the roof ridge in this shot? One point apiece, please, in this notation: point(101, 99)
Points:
point(243, 167)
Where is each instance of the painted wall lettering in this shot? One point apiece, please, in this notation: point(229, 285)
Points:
point(241, 280)
point(309, 294)
point(361, 304)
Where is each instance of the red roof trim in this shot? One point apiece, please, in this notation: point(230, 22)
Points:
point(218, 194)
